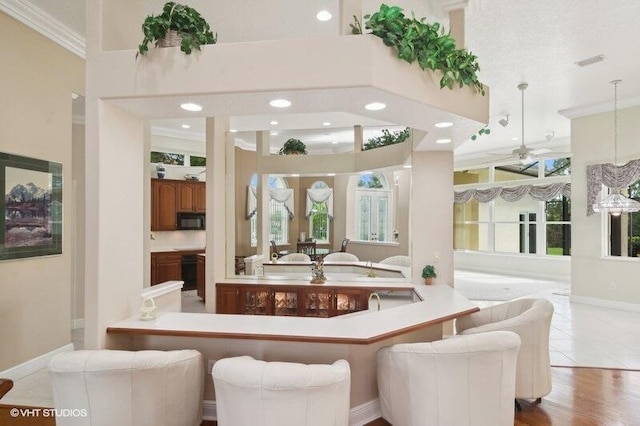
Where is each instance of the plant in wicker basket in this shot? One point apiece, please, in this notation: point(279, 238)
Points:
point(178, 24)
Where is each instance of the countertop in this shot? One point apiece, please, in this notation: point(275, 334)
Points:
point(439, 303)
point(163, 249)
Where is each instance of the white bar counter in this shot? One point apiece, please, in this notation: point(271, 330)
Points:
point(356, 337)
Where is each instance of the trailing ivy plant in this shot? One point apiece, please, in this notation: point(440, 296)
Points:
point(483, 131)
point(416, 40)
point(186, 21)
point(387, 138)
point(293, 146)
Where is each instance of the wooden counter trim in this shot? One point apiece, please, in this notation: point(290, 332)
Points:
point(292, 338)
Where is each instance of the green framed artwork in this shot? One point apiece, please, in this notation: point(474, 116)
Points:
point(31, 223)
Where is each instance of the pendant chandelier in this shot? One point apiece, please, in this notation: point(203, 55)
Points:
point(615, 203)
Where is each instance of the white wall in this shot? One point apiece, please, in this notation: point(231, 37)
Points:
point(592, 274)
point(38, 77)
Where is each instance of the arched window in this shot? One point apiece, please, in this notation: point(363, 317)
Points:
point(319, 216)
point(374, 201)
point(278, 214)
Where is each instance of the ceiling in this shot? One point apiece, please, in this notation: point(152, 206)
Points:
point(538, 42)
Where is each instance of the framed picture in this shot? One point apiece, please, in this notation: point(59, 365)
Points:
point(31, 223)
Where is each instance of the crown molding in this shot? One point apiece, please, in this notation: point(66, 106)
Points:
point(38, 20)
point(178, 134)
point(585, 110)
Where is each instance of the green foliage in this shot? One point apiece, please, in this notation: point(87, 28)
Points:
point(197, 161)
point(416, 40)
point(356, 28)
point(483, 131)
point(387, 138)
point(371, 181)
point(293, 146)
point(167, 158)
point(429, 272)
point(185, 20)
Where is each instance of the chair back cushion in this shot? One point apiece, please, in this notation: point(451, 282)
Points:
point(341, 257)
point(295, 257)
point(531, 320)
point(462, 381)
point(253, 392)
point(397, 261)
point(129, 388)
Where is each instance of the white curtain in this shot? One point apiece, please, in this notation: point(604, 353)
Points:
point(611, 176)
point(319, 196)
point(514, 193)
point(281, 195)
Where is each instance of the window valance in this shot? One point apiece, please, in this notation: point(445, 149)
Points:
point(611, 176)
point(514, 193)
point(320, 195)
point(281, 195)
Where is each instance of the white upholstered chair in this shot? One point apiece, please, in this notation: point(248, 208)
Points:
point(531, 320)
point(129, 388)
point(397, 261)
point(341, 257)
point(295, 257)
point(462, 381)
point(259, 393)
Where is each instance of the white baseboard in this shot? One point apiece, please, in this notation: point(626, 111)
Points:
point(365, 413)
point(358, 416)
point(603, 303)
point(77, 324)
point(34, 364)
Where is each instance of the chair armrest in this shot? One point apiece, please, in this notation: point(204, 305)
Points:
point(5, 386)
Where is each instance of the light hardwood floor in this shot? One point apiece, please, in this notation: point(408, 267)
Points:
point(580, 396)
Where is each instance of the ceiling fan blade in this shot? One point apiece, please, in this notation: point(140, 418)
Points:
point(504, 158)
point(553, 154)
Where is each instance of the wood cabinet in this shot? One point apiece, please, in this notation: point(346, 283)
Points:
point(288, 300)
point(168, 197)
point(163, 205)
point(192, 197)
point(165, 266)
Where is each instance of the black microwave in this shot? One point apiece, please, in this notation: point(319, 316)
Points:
point(191, 221)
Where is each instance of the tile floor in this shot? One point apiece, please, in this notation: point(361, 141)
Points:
point(583, 335)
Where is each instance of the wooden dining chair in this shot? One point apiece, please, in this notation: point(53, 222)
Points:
point(343, 247)
point(274, 249)
point(308, 248)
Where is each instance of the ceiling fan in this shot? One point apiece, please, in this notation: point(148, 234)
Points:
point(523, 153)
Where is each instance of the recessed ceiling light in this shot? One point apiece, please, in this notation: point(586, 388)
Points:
point(190, 106)
point(186, 126)
point(375, 106)
point(274, 133)
point(326, 123)
point(233, 130)
point(443, 141)
point(280, 103)
point(274, 123)
point(294, 175)
point(331, 174)
point(335, 142)
point(323, 15)
point(444, 124)
point(406, 166)
point(515, 138)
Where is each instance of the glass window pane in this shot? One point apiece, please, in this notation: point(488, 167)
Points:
point(510, 211)
point(516, 172)
point(508, 237)
point(471, 176)
point(557, 167)
point(471, 236)
point(383, 219)
point(558, 210)
point(467, 212)
point(319, 221)
point(364, 221)
point(559, 240)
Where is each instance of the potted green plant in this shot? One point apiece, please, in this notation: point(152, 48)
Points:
point(178, 24)
point(416, 40)
point(387, 138)
point(429, 273)
point(293, 147)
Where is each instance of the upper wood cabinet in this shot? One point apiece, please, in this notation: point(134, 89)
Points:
point(192, 197)
point(171, 196)
point(163, 204)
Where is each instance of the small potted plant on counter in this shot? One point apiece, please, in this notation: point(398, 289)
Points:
point(293, 147)
point(429, 273)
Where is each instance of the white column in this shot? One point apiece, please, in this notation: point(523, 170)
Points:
point(217, 186)
point(358, 138)
point(262, 149)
